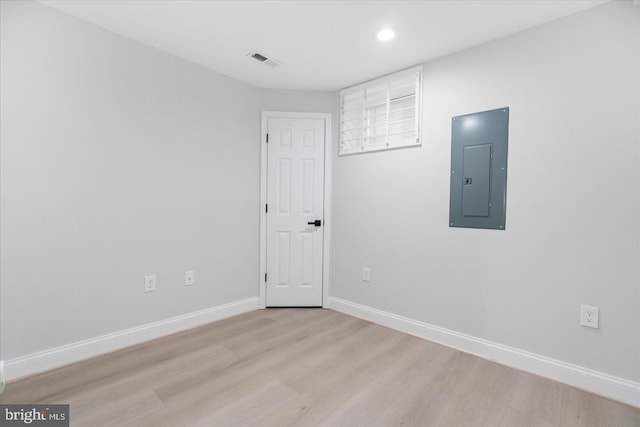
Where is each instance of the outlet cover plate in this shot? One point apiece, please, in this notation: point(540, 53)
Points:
point(150, 283)
point(366, 274)
point(189, 278)
point(589, 316)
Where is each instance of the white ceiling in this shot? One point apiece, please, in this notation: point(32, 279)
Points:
point(323, 45)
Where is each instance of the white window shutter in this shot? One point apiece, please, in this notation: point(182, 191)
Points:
point(381, 114)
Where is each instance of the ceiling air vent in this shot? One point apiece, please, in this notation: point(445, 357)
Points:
point(272, 62)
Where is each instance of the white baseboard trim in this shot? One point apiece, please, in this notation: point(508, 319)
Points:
point(596, 382)
point(66, 354)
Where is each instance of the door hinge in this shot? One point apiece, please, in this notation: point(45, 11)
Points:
point(266, 207)
point(267, 138)
point(265, 277)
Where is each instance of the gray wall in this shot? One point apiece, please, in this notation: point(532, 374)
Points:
point(572, 206)
point(118, 161)
point(308, 101)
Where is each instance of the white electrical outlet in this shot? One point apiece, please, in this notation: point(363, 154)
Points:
point(149, 283)
point(366, 274)
point(189, 278)
point(589, 316)
point(2, 377)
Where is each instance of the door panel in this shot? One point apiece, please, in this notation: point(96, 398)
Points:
point(295, 180)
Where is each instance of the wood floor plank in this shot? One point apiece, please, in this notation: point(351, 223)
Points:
point(580, 409)
point(251, 408)
point(515, 417)
point(213, 358)
point(538, 396)
point(42, 387)
point(308, 367)
point(384, 400)
point(483, 397)
point(201, 400)
point(253, 362)
point(117, 410)
point(335, 374)
point(433, 402)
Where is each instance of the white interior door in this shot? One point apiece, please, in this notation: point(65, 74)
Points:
point(295, 190)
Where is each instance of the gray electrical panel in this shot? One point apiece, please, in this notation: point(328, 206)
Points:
point(478, 195)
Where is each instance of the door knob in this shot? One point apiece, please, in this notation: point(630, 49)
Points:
point(317, 223)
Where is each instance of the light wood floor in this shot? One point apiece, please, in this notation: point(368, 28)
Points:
point(307, 367)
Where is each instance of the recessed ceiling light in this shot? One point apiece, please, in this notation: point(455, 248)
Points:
point(386, 34)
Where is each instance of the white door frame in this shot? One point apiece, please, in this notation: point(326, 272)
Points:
point(326, 223)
